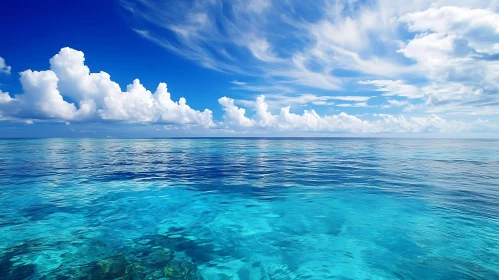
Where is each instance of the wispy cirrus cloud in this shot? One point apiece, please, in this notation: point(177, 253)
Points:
point(399, 48)
point(423, 57)
point(275, 42)
point(394, 88)
point(395, 103)
point(277, 101)
point(98, 99)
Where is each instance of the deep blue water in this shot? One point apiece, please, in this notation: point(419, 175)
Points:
point(249, 209)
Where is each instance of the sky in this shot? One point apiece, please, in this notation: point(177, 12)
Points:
point(144, 68)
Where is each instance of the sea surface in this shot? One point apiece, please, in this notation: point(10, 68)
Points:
point(249, 209)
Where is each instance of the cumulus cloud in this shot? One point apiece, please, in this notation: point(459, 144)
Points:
point(42, 99)
point(4, 97)
point(321, 40)
point(480, 27)
point(94, 96)
point(4, 68)
point(70, 92)
point(310, 121)
point(285, 120)
point(234, 116)
point(443, 52)
point(455, 48)
point(438, 60)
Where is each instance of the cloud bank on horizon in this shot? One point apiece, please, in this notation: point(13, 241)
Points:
point(435, 62)
point(97, 98)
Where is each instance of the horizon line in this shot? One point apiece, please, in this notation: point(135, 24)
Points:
point(256, 138)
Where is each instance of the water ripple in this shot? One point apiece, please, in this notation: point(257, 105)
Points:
point(249, 209)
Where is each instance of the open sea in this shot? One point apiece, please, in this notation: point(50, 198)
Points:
point(249, 209)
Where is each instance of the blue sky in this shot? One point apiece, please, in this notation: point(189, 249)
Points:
point(141, 68)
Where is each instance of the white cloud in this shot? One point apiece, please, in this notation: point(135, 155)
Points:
point(357, 104)
point(441, 51)
point(267, 89)
point(220, 34)
point(396, 103)
point(4, 97)
point(234, 116)
point(257, 6)
point(263, 120)
point(431, 123)
point(42, 99)
point(448, 97)
point(436, 93)
point(457, 49)
point(351, 98)
point(4, 68)
point(263, 117)
point(428, 57)
point(281, 100)
point(238, 83)
point(97, 97)
point(261, 50)
point(394, 88)
point(480, 27)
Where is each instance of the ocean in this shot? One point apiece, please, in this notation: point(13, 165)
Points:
point(254, 208)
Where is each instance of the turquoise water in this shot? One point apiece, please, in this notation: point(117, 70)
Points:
point(249, 209)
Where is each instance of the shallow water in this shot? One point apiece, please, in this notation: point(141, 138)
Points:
point(249, 209)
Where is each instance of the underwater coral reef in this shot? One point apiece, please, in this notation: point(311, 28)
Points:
point(150, 257)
